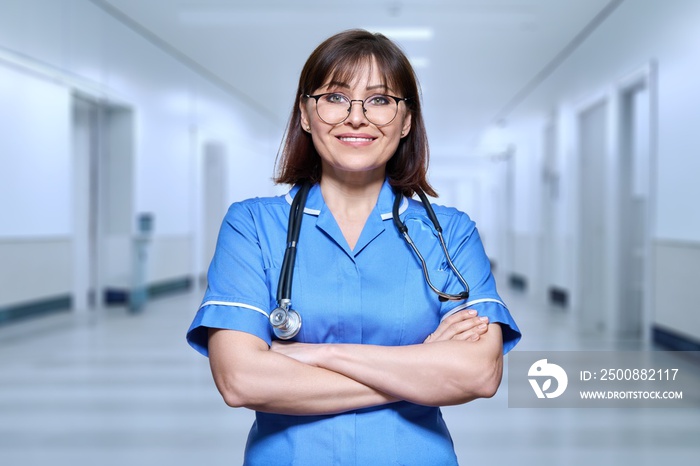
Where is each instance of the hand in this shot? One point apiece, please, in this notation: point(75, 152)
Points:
point(463, 325)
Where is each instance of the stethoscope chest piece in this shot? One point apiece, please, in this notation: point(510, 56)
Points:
point(286, 323)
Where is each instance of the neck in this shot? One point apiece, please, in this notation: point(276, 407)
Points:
point(351, 200)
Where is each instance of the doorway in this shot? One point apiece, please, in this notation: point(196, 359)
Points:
point(102, 200)
point(633, 195)
point(552, 292)
point(592, 150)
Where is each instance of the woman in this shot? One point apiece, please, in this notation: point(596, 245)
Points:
point(377, 352)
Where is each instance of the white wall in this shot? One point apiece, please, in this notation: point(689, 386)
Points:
point(636, 33)
point(52, 48)
point(34, 156)
point(639, 34)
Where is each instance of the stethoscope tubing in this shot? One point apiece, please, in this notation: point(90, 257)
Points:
point(296, 215)
point(403, 229)
point(285, 321)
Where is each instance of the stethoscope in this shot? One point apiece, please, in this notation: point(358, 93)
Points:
point(285, 321)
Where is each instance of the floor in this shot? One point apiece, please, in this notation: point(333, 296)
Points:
point(113, 388)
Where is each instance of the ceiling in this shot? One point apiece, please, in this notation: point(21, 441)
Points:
point(474, 58)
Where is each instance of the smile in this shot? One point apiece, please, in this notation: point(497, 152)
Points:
point(354, 139)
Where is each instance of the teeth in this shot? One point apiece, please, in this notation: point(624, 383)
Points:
point(356, 139)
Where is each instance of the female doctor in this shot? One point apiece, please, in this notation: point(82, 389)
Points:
point(378, 351)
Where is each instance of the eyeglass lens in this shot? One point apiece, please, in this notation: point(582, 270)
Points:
point(335, 108)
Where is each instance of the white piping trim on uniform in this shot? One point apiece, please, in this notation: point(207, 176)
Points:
point(386, 216)
point(229, 304)
point(307, 210)
point(402, 209)
point(471, 303)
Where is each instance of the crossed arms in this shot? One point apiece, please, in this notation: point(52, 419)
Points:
point(459, 362)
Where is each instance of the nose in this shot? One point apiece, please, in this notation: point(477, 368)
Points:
point(357, 117)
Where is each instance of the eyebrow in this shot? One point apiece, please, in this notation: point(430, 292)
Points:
point(368, 88)
point(378, 86)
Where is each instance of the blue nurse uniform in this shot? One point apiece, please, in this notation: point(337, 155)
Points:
point(373, 294)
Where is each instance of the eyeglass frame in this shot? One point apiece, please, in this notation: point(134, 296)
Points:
point(362, 101)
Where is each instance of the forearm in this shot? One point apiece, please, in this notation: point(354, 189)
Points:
point(251, 376)
point(440, 373)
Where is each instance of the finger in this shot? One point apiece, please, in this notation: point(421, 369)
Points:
point(451, 327)
point(479, 326)
point(469, 329)
point(455, 318)
point(473, 334)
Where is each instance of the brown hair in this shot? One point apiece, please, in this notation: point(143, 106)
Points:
point(337, 58)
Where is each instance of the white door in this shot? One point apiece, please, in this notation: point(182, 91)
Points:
point(85, 205)
point(592, 137)
point(102, 200)
point(634, 202)
point(550, 196)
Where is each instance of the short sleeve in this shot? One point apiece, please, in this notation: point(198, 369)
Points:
point(469, 257)
point(237, 296)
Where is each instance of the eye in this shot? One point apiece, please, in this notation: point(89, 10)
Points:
point(378, 100)
point(335, 98)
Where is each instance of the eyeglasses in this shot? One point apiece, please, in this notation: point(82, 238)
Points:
point(334, 108)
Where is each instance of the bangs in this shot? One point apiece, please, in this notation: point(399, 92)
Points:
point(348, 71)
point(343, 67)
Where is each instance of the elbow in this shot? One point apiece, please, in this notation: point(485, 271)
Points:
point(234, 392)
point(234, 359)
point(489, 387)
point(468, 387)
point(490, 379)
point(233, 399)
point(483, 383)
point(231, 396)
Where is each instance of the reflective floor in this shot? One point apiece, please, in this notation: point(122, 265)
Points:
point(117, 389)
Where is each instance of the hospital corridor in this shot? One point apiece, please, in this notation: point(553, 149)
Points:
point(123, 389)
point(566, 130)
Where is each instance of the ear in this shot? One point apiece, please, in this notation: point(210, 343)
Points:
point(304, 121)
point(406, 128)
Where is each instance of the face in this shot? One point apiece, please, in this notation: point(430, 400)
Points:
point(355, 147)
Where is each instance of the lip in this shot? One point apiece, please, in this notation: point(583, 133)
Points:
point(356, 139)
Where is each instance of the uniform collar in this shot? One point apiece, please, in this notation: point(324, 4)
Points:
point(315, 203)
